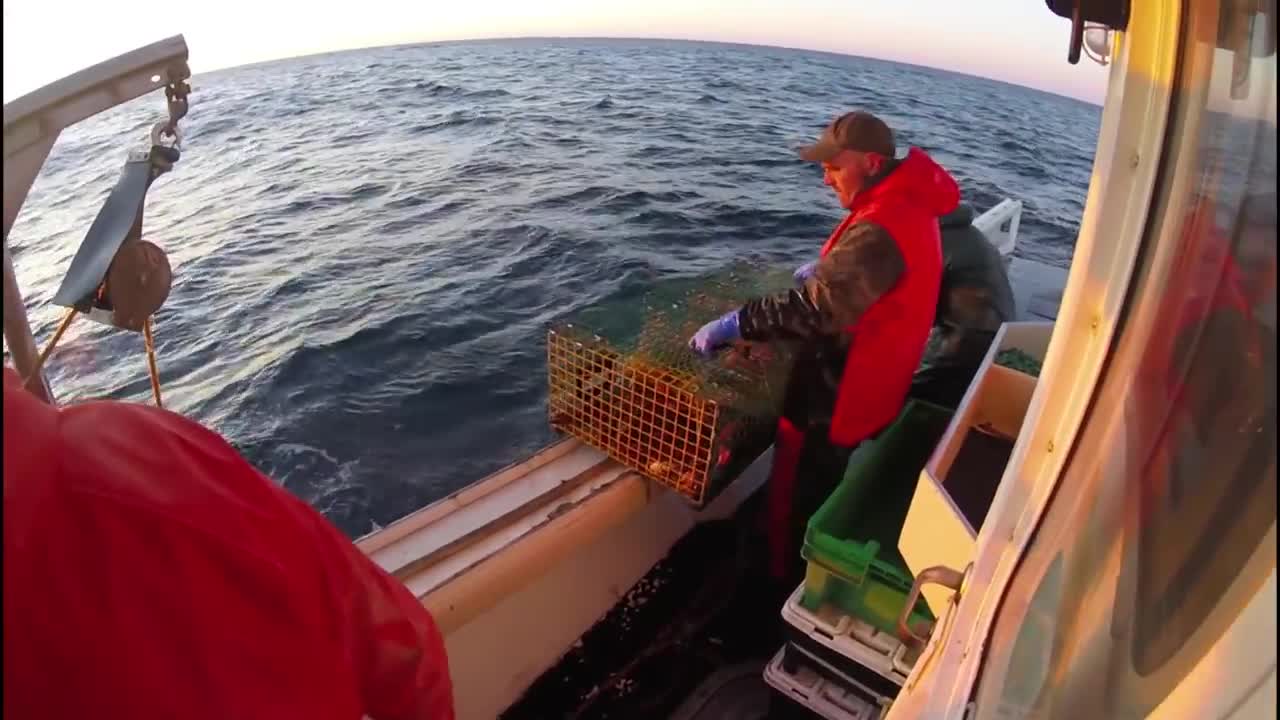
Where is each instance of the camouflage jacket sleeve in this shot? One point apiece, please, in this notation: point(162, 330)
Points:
point(864, 264)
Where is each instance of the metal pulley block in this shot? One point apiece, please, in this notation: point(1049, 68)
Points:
point(116, 277)
point(137, 284)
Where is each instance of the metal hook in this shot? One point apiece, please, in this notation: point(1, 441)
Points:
point(165, 134)
point(175, 94)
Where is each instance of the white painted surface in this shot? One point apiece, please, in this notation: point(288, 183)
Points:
point(491, 542)
point(468, 514)
point(1000, 225)
point(1231, 680)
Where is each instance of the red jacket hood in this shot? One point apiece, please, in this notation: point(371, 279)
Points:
point(917, 181)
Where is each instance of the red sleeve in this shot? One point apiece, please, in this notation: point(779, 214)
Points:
point(397, 648)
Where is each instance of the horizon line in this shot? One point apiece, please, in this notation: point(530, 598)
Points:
point(641, 38)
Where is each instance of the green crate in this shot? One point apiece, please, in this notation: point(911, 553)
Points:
point(851, 544)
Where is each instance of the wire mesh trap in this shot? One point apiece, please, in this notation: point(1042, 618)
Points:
point(622, 379)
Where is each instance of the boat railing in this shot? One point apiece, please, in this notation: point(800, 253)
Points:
point(1000, 225)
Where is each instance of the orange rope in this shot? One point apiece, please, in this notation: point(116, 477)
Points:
point(53, 342)
point(147, 337)
point(151, 361)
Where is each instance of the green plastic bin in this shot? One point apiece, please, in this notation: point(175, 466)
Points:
point(851, 544)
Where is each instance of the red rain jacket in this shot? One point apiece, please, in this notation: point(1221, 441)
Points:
point(150, 572)
point(889, 340)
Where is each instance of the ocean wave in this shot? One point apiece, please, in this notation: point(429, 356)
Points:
point(600, 198)
point(460, 119)
point(725, 85)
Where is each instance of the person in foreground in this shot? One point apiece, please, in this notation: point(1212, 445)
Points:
point(151, 572)
point(860, 317)
point(974, 301)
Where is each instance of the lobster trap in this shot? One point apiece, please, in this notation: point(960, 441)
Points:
point(623, 380)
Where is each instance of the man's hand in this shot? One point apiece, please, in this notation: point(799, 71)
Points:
point(805, 271)
point(715, 335)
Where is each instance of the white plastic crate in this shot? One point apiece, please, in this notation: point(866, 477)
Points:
point(827, 699)
point(851, 638)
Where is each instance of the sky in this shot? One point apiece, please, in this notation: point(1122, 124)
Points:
point(1017, 41)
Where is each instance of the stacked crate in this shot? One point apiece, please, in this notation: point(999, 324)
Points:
point(842, 621)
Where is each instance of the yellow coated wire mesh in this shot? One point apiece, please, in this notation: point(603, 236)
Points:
point(648, 402)
point(644, 416)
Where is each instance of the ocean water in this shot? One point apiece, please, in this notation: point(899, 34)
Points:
point(369, 246)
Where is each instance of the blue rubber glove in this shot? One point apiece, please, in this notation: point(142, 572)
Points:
point(805, 271)
point(715, 335)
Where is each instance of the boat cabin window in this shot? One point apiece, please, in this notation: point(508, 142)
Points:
point(1157, 536)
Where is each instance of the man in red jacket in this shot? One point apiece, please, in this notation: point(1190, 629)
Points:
point(860, 317)
point(150, 572)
